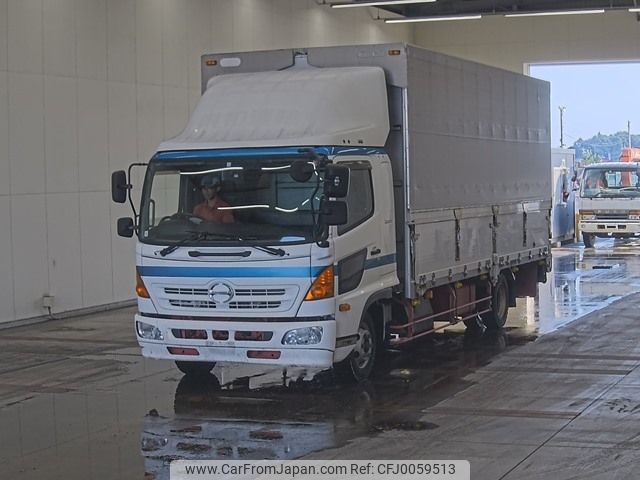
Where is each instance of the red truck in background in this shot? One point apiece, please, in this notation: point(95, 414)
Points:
point(630, 155)
point(627, 155)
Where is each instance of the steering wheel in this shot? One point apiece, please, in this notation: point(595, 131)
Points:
point(181, 216)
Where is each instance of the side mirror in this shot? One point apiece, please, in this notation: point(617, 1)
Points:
point(333, 212)
point(125, 227)
point(301, 171)
point(336, 181)
point(119, 186)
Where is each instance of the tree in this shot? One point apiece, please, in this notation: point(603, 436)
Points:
point(603, 147)
point(590, 157)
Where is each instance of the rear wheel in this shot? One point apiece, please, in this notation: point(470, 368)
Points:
point(195, 369)
point(588, 239)
point(359, 364)
point(497, 317)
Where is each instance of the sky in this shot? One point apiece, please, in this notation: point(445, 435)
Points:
point(598, 98)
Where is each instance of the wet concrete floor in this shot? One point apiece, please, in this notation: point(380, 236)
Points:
point(78, 401)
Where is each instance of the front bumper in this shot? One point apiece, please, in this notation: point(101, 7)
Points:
point(600, 227)
point(231, 350)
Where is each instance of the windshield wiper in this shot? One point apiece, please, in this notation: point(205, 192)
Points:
point(272, 250)
point(226, 236)
point(193, 236)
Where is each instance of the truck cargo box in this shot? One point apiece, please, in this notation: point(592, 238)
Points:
point(470, 149)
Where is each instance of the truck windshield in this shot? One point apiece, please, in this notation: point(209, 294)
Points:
point(227, 200)
point(610, 183)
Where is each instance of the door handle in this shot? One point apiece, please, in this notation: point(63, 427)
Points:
point(375, 251)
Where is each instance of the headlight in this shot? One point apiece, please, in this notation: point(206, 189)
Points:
point(588, 216)
point(303, 336)
point(148, 332)
point(634, 217)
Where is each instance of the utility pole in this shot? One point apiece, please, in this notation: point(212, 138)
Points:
point(629, 130)
point(562, 109)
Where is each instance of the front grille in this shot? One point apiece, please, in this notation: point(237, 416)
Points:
point(186, 291)
point(253, 305)
point(191, 303)
point(260, 292)
point(245, 298)
point(240, 292)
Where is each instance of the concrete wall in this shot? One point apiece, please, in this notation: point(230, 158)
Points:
point(89, 86)
point(513, 42)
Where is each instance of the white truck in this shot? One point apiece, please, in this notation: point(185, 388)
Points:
point(364, 196)
point(563, 196)
point(609, 201)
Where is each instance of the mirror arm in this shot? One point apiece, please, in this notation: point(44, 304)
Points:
point(320, 232)
point(129, 187)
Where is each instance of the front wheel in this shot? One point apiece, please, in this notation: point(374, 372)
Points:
point(359, 364)
point(588, 239)
point(195, 369)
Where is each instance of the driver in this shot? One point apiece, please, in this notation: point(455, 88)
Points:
point(210, 209)
point(596, 180)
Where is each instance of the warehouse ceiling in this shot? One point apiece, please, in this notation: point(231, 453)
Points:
point(439, 8)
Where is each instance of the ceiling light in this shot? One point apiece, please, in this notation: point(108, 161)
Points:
point(432, 19)
point(378, 3)
point(552, 13)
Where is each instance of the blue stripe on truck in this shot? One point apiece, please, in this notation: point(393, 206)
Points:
point(230, 272)
point(264, 152)
point(379, 262)
point(246, 272)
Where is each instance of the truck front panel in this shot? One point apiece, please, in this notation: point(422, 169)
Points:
point(610, 200)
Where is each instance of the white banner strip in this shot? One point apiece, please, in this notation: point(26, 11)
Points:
point(320, 470)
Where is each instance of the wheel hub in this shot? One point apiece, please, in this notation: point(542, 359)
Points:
point(363, 351)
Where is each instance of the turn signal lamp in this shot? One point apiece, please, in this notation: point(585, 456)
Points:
point(141, 290)
point(322, 286)
point(634, 214)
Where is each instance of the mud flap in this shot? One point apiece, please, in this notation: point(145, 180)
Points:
point(527, 279)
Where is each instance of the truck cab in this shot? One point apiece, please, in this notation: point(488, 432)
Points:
point(265, 265)
point(609, 201)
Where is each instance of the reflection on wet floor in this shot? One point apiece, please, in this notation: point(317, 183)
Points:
point(239, 412)
point(242, 412)
point(583, 280)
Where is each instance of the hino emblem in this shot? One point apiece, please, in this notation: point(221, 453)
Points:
point(220, 293)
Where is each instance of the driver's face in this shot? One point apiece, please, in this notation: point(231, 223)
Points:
point(209, 192)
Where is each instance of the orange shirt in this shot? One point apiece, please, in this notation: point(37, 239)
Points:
point(212, 214)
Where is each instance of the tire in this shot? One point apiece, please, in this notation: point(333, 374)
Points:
point(360, 362)
point(195, 369)
point(588, 239)
point(497, 317)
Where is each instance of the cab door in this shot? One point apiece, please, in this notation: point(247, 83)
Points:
point(365, 245)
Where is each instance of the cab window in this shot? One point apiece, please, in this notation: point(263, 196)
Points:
point(359, 198)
